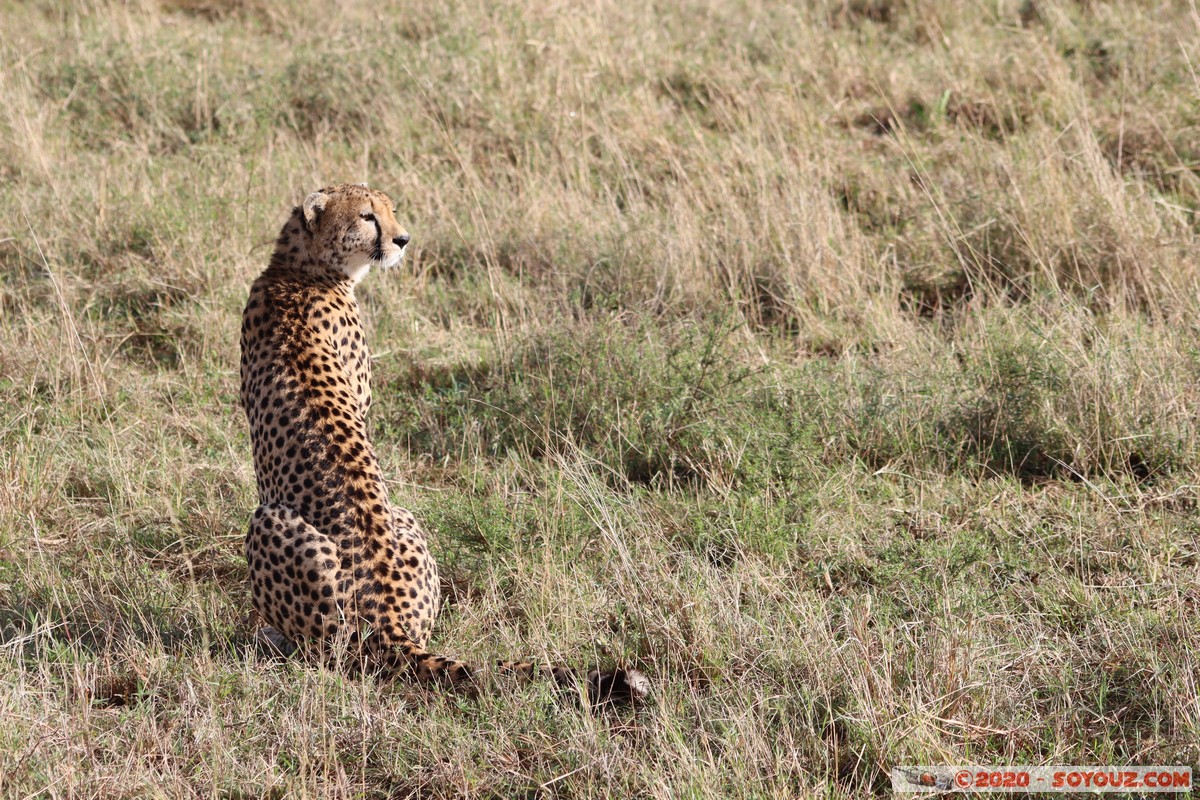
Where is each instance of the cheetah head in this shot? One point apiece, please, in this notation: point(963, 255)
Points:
point(352, 227)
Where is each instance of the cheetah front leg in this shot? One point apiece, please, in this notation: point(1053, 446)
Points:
point(295, 578)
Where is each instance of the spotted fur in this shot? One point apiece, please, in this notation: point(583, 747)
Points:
point(332, 562)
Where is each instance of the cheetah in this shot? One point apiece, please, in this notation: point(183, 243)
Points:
point(332, 563)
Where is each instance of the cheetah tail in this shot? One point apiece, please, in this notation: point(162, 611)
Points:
point(407, 657)
point(620, 686)
point(617, 687)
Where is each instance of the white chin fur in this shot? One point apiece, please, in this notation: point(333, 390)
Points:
point(357, 270)
point(393, 259)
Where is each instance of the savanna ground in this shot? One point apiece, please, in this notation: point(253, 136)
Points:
point(836, 363)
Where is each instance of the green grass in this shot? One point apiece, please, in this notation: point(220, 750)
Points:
point(835, 364)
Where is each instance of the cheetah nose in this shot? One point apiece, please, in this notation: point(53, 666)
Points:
point(401, 241)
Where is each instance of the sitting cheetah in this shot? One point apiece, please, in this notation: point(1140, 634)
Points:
point(331, 559)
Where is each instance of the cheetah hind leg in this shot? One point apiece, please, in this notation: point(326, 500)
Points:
point(299, 590)
point(294, 579)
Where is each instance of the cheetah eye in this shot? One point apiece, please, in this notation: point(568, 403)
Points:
point(368, 216)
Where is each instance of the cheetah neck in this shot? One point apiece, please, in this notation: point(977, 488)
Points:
point(285, 263)
point(355, 270)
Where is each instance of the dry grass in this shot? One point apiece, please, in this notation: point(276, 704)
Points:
point(836, 363)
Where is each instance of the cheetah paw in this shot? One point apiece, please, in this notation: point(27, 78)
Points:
point(272, 642)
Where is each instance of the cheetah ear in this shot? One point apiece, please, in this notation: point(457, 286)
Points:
point(314, 204)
